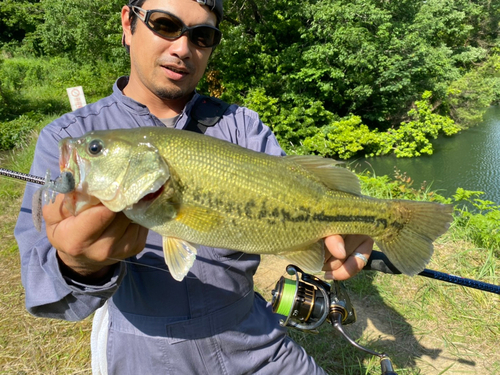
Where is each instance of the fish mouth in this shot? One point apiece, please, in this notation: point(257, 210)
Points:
point(149, 198)
point(64, 156)
point(70, 161)
point(78, 199)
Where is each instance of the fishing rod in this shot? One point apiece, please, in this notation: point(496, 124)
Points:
point(62, 184)
point(378, 261)
point(23, 176)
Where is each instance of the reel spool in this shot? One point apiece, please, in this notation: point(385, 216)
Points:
point(304, 302)
point(308, 302)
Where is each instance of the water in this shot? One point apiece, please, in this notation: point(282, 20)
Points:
point(470, 160)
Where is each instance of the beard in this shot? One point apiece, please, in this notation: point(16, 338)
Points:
point(171, 93)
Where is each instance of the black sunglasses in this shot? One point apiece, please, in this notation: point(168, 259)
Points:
point(170, 27)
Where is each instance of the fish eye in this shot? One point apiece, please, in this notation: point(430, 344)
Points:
point(95, 147)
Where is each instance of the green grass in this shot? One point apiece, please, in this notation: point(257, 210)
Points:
point(30, 345)
point(425, 326)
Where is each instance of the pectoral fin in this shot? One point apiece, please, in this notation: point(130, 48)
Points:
point(199, 218)
point(179, 256)
point(310, 259)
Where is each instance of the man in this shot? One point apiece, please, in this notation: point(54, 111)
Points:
point(146, 322)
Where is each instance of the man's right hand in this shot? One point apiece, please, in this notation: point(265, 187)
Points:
point(89, 243)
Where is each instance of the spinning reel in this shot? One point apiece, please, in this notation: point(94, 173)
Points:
point(308, 302)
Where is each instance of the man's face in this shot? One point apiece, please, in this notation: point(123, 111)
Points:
point(169, 69)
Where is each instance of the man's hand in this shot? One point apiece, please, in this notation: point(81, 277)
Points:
point(340, 262)
point(89, 243)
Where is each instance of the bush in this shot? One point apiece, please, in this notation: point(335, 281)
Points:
point(291, 121)
point(344, 138)
point(14, 132)
point(480, 223)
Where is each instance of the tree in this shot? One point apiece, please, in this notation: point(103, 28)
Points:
point(18, 19)
point(84, 30)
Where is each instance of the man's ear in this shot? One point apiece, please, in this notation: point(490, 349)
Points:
point(126, 26)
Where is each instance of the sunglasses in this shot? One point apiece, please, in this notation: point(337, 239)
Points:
point(170, 27)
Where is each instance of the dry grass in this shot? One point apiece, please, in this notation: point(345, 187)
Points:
point(426, 326)
point(30, 345)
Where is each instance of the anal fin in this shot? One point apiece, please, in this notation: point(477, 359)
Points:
point(179, 256)
point(310, 259)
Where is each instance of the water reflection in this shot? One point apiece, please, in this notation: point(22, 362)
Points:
point(470, 160)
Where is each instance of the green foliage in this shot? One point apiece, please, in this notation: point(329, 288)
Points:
point(349, 136)
point(477, 219)
point(400, 186)
point(333, 77)
point(480, 223)
point(86, 31)
point(469, 97)
point(14, 132)
point(412, 138)
point(290, 123)
point(343, 138)
point(18, 19)
point(363, 57)
point(34, 90)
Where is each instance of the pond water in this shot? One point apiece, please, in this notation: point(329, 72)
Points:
point(470, 160)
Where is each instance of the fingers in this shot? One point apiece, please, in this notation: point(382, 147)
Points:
point(341, 268)
point(94, 239)
point(68, 232)
point(131, 242)
point(336, 247)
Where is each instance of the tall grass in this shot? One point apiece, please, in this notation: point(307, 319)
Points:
point(33, 92)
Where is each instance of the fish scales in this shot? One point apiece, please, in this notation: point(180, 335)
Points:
point(196, 190)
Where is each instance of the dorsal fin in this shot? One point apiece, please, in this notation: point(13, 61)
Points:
point(327, 171)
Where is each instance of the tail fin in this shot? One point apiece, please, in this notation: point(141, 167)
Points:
point(410, 248)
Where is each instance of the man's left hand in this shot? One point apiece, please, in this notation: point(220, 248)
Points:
point(340, 262)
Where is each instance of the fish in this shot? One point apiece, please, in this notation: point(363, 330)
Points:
point(195, 190)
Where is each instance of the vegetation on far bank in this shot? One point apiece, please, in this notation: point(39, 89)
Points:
point(337, 78)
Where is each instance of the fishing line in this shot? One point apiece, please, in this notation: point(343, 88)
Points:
point(159, 268)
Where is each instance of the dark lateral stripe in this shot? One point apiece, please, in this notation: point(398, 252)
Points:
point(343, 218)
point(350, 219)
point(26, 210)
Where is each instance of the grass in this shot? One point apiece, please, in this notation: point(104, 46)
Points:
point(30, 345)
point(426, 326)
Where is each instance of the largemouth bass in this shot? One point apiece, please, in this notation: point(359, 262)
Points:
point(197, 190)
